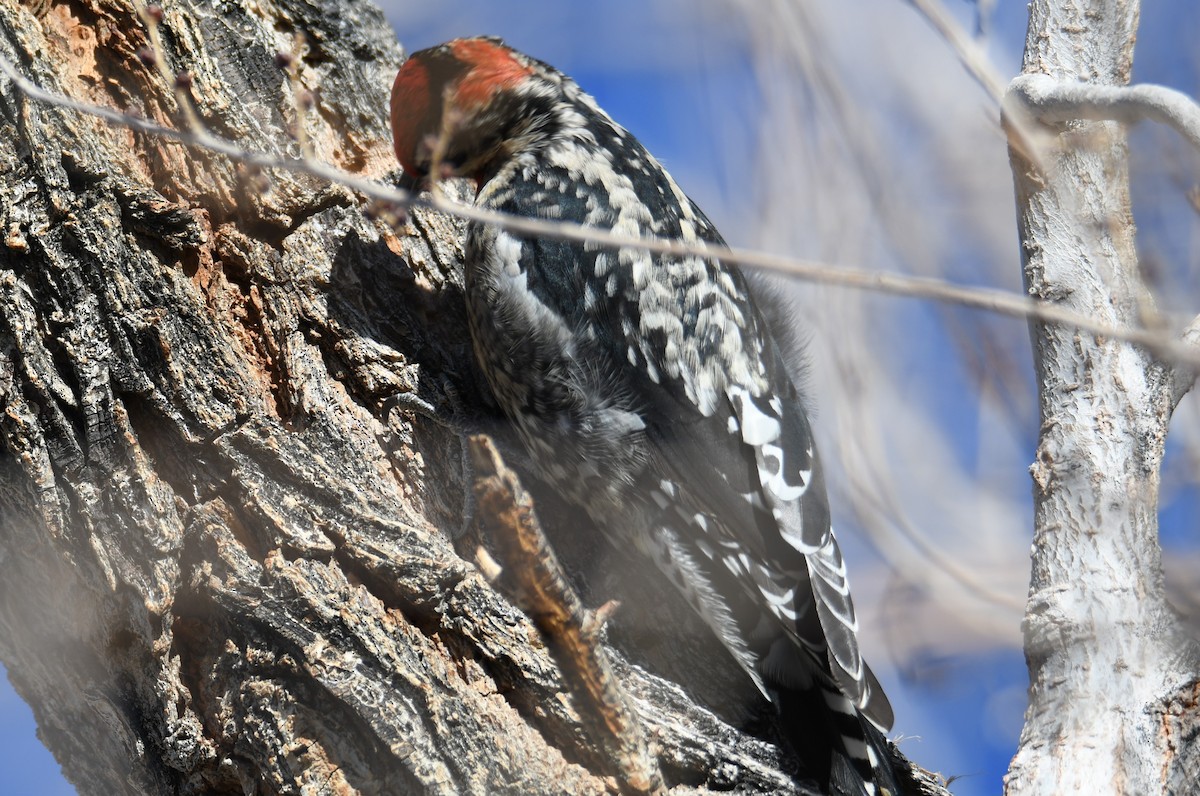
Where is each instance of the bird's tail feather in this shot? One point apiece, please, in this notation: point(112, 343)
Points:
point(839, 747)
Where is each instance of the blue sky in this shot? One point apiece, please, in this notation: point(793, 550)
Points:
point(684, 81)
point(28, 766)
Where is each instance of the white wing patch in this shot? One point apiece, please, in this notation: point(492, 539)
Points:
point(758, 428)
point(761, 429)
point(771, 474)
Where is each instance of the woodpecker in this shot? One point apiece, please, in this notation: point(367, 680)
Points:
point(647, 387)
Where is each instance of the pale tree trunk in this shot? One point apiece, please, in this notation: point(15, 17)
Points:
point(1114, 691)
point(226, 499)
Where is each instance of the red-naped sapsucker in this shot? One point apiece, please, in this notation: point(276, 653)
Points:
point(647, 388)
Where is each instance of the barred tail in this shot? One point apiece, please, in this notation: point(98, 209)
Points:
point(840, 748)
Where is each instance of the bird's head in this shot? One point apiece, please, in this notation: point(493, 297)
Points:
point(465, 106)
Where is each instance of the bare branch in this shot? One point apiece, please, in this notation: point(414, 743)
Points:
point(531, 570)
point(1161, 344)
point(1055, 101)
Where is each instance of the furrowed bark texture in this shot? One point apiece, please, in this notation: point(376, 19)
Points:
point(1113, 679)
point(224, 555)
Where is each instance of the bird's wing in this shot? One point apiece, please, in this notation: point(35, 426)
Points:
point(730, 429)
point(751, 466)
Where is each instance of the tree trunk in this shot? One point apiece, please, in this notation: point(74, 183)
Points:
point(1114, 690)
point(225, 518)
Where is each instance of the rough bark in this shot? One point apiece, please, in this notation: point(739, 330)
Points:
point(1113, 677)
point(225, 524)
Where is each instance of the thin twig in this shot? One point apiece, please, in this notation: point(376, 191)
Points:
point(1022, 134)
point(968, 49)
point(180, 82)
point(991, 300)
